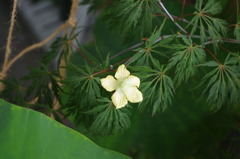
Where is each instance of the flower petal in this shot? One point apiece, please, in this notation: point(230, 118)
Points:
point(109, 83)
point(132, 81)
point(133, 94)
point(119, 99)
point(122, 72)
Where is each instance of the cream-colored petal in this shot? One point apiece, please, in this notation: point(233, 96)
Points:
point(133, 94)
point(109, 83)
point(132, 81)
point(122, 72)
point(119, 99)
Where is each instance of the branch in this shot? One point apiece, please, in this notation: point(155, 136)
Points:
point(128, 49)
point(216, 59)
point(167, 36)
point(9, 39)
point(70, 22)
point(170, 16)
point(8, 46)
point(188, 22)
point(184, 20)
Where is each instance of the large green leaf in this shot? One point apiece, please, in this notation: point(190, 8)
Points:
point(26, 134)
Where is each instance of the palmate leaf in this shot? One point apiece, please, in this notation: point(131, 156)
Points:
point(13, 92)
point(237, 28)
point(53, 53)
point(214, 27)
point(88, 57)
point(83, 81)
point(109, 120)
point(44, 85)
point(237, 31)
point(235, 59)
point(131, 17)
point(223, 84)
point(185, 60)
point(82, 89)
point(157, 89)
point(143, 55)
point(61, 48)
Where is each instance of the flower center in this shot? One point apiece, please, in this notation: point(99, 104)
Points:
point(121, 83)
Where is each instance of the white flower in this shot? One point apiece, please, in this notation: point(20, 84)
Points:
point(126, 87)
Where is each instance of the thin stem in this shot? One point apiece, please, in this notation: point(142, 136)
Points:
point(179, 36)
point(183, 6)
point(81, 53)
point(212, 55)
point(109, 68)
point(70, 22)
point(185, 15)
point(228, 51)
point(170, 16)
point(183, 20)
point(9, 39)
point(126, 50)
point(231, 25)
point(237, 9)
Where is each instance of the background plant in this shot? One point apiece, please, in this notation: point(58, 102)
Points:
point(194, 52)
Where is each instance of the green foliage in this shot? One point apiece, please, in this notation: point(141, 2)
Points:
point(164, 56)
point(34, 135)
point(237, 31)
point(185, 60)
point(214, 27)
point(236, 58)
point(60, 50)
point(157, 88)
point(14, 91)
point(223, 84)
point(143, 55)
point(133, 18)
point(82, 88)
point(44, 85)
point(109, 120)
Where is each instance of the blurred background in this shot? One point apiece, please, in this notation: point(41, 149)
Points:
point(187, 130)
point(35, 21)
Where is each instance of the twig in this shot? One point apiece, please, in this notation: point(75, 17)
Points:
point(179, 36)
point(70, 22)
point(81, 53)
point(228, 51)
point(212, 55)
point(37, 45)
point(183, 7)
point(109, 68)
point(8, 47)
point(128, 49)
point(170, 16)
point(9, 39)
point(185, 21)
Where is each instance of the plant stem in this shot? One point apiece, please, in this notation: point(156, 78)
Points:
point(9, 39)
point(8, 46)
point(183, 7)
point(228, 51)
point(212, 55)
point(170, 16)
point(183, 20)
point(167, 36)
point(126, 50)
point(109, 68)
point(84, 56)
point(70, 22)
